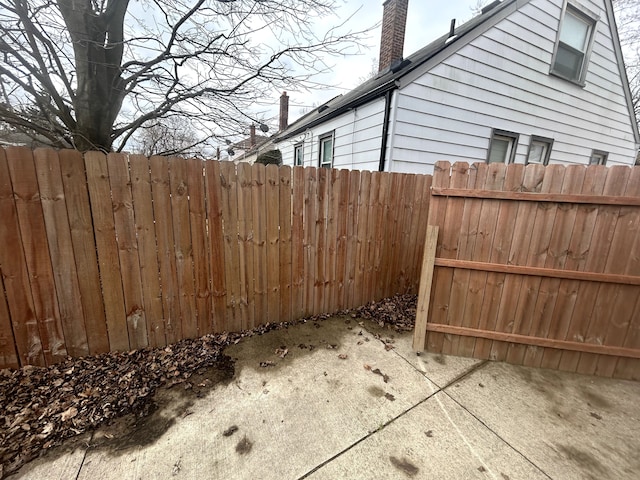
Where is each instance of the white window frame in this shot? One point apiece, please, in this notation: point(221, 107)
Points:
point(298, 161)
point(598, 157)
point(547, 145)
point(587, 17)
point(503, 135)
point(321, 149)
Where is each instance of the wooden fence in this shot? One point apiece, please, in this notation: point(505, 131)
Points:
point(115, 252)
point(535, 266)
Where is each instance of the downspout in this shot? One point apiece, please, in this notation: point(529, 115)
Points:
point(385, 130)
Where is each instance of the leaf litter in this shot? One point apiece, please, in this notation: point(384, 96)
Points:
point(43, 406)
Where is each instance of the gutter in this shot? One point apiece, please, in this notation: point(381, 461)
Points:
point(385, 130)
point(365, 98)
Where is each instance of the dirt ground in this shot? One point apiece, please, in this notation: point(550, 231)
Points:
point(125, 395)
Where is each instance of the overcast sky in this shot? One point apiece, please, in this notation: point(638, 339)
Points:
point(427, 20)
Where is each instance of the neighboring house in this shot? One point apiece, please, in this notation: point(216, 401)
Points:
point(526, 81)
point(246, 148)
point(250, 148)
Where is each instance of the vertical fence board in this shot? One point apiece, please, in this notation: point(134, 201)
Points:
point(23, 328)
point(459, 294)
point(620, 316)
point(341, 240)
point(8, 352)
point(180, 190)
point(147, 249)
point(583, 230)
point(517, 296)
point(319, 278)
point(36, 252)
point(416, 245)
point(544, 224)
point(84, 249)
point(493, 179)
point(65, 275)
point(285, 201)
point(601, 241)
point(213, 179)
point(437, 214)
point(383, 244)
point(297, 243)
point(125, 227)
point(448, 247)
point(245, 238)
point(362, 227)
point(231, 247)
point(333, 216)
point(351, 240)
point(395, 235)
point(310, 199)
point(272, 186)
point(259, 199)
point(161, 193)
point(500, 250)
point(373, 216)
point(405, 262)
point(107, 248)
point(200, 254)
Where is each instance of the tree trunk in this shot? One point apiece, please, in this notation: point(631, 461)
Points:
point(98, 47)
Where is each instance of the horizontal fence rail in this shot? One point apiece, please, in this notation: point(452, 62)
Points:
point(116, 252)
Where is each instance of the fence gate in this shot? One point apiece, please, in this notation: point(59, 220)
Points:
point(534, 265)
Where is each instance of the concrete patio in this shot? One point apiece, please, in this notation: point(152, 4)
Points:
point(332, 400)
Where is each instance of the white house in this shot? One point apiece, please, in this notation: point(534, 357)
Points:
point(525, 81)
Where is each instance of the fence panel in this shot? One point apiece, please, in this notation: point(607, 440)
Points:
point(532, 266)
point(118, 252)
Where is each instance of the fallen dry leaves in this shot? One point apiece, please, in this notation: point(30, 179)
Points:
point(41, 407)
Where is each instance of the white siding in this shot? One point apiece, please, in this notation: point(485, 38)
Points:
point(357, 139)
point(501, 80)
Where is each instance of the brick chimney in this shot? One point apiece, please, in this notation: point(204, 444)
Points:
point(252, 136)
point(284, 111)
point(394, 21)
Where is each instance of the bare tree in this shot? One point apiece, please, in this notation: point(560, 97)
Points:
point(167, 136)
point(89, 74)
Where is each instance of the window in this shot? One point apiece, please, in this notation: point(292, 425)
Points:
point(326, 151)
point(502, 147)
point(598, 157)
point(539, 150)
point(298, 155)
point(573, 45)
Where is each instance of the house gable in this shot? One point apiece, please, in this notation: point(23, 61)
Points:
point(448, 107)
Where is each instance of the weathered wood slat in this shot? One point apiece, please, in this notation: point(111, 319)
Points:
point(161, 193)
point(426, 281)
point(246, 245)
point(272, 186)
point(147, 249)
point(285, 193)
point(200, 254)
point(84, 249)
point(213, 182)
point(65, 275)
point(297, 243)
point(125, 228)
point(107, 248)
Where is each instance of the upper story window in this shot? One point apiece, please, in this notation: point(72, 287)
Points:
point(573, 45)
point(502, 147)
point(298, 155)
point(326, 151)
